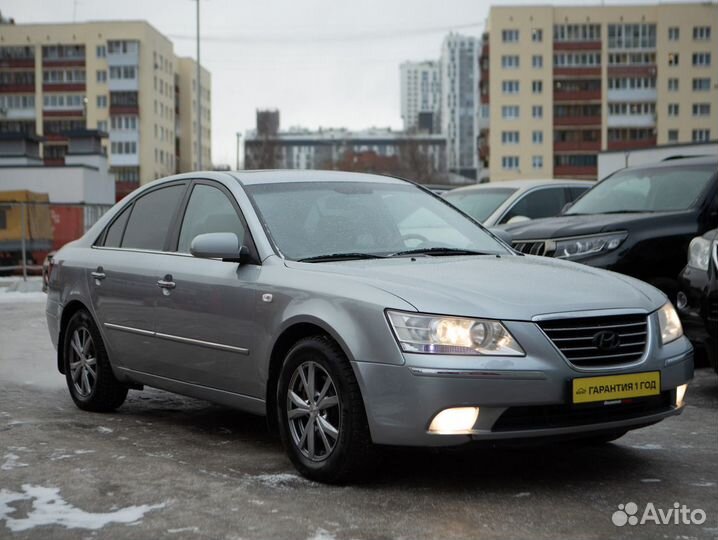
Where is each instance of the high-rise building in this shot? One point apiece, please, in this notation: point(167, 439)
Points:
point(568, 82)
point(120, 77)
point(420, 85)
point(460, 102)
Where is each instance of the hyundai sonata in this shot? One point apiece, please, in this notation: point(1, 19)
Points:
point(353, 311)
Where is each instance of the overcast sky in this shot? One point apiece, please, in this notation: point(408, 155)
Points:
point(330, 63)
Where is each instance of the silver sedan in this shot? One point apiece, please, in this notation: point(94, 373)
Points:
point(355, 311)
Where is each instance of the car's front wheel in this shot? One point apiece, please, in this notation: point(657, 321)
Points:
point(92, 385)
point(322, 420)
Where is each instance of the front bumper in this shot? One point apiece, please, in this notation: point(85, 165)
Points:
point(401, 401)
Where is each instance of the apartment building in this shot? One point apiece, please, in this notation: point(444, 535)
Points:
point(120, 77)
point(420, 86)
point(459, 102)
point(561, 84)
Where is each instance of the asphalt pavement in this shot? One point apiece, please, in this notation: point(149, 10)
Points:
point(166, 466)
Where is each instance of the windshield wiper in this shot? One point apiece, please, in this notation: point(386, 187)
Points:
point(438, 252)
point(341, 257)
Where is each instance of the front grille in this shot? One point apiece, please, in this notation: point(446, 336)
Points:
point(532, 247)
point(599, 341)
point(555, 416)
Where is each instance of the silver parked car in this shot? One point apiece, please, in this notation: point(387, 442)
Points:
point(514, 201)
point(355, 310)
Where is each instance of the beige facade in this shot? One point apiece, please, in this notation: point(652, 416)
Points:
point(568, 82)
point(187, 123)
point(120, 77)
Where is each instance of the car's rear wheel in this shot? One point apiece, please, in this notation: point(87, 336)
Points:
point(92, 385)
point(322, 420)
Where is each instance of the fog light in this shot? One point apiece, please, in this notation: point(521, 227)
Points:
point(680, 394)
point(453, 421)
point(681, 300)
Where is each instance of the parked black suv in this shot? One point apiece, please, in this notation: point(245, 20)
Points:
point(698, 296)
point(638, 221)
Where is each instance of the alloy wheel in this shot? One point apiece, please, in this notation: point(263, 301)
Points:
point(83, 362)
point(313, 411)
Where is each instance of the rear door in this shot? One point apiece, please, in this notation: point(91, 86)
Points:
point(125, 272)
point(207, 318)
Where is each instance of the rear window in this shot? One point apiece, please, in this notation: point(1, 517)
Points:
point(151, 218)
point(479, 203)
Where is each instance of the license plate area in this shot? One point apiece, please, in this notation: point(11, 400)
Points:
point(615, 387)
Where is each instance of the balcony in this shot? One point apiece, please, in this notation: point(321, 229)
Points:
point(577, 95)
point(17, 63)
point(575, 171)
point(635, 70)
point(577, 45)
point(568, 146)
point(632, 144)
point(631, 120)
point(22, 88)
point(64, 87)
point(630, 95)
point(577, 120)
point(576, 71)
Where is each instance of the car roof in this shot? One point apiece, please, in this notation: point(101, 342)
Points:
point(525, 184)
point(677, 162)
point(279, 176)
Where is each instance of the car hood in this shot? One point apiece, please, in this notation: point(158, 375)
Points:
point(509, 287)
point(570, 225)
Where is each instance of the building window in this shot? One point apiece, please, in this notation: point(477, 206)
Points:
point(674, 33)
point(673, 85)
point(672, 135)
point(702, 59)
point(510, 137)
point(673, 59)
point(537, 162)
point(537, 87)
point(510, 112)
point(537, 61)
point(510, 162)
point(701, 135)
point(510, 61)
point(631, 36)
point(673, 109)
point(701, 85)
point(701, 109)
point(101, 75)
point(101, 51)
point(537, 137)
point(510, 87)
point(510, 36)
point(577, 32)
point(102, 125)
point(701, 33)
point(537, 35)
point(577, 59)
point(101, 102)
point(537, 111)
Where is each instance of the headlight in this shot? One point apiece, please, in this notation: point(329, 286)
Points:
point(587, 245)
point(669, 323)
point(699, 253)
point(452, 335)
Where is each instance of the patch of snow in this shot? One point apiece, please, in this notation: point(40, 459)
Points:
point(81, 452)
point(322, 534)
point(103, 429)
point(280, 480)
point(49, 508)
point(703, 484)
point(11, 462)
point(647, 446)
point(651, 480)
point(522, 494)
point(184, 529)
point(22, 298)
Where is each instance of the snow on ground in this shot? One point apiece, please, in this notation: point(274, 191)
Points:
point(22, 297)
point(15, 289)
point(49, 508)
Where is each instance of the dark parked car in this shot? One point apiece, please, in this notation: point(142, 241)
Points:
point(698, 296)
point(638, 221)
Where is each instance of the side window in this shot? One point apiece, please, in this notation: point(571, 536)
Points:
point(208, 210)
point(538, 204)
point(151, 218)
point(114, 232)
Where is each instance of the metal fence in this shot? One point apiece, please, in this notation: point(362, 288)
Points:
point(30, 230)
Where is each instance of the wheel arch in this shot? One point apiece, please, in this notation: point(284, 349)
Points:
point(68, 311)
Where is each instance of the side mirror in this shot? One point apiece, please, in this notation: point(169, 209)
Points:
point(506, 236)
point(518, 219)
point(566, 207)
point(223, 246)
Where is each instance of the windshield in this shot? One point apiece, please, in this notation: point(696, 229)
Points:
point(479, 203)
point(314, 219)
point(659, 189)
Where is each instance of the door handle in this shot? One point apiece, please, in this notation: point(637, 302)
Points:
point(99, 273)
point(166, 282)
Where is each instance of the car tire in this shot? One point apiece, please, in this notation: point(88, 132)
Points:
point(335, 445)
point(90, 380)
